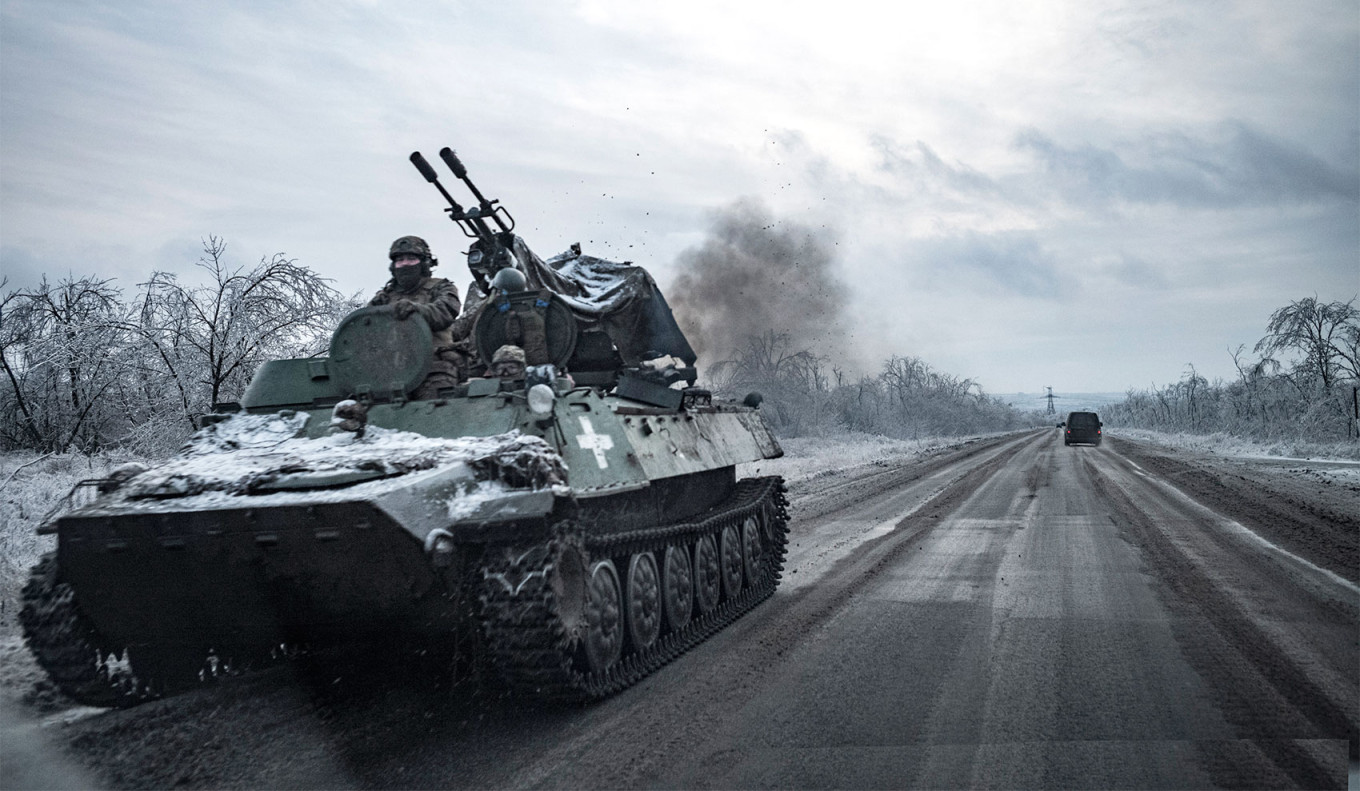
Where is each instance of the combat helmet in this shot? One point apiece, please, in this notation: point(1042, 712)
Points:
point(509, 279)
point(508, 353)
point(413, 245)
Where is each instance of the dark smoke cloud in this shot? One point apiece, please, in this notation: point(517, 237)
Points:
point(753, 274)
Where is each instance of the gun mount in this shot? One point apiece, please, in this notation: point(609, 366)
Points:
point(492, 250)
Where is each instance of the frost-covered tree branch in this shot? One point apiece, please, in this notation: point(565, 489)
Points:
point(83, 368)
point(1301, 387)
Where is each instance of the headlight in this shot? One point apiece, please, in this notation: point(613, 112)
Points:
point(541, 398)
point(440, 546)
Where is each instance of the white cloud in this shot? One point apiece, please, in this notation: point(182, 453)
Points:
point(1007, 180)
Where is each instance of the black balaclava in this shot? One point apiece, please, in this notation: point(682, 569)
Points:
point(408, 277)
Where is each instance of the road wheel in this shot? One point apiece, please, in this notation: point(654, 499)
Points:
point(603, 641)
point(730, 550)
point(644, 601)
point(677, 587)
point(707, 574)
point(752, 549)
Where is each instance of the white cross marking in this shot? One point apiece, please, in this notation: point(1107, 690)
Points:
point(599, 443)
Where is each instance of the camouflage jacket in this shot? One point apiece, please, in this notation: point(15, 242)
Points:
point(437, 301)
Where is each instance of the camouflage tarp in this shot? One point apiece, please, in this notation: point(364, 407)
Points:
point(621, 298)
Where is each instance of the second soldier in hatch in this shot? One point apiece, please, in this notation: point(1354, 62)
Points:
point(413, 289)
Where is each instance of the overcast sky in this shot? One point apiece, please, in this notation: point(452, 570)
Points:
point(1087, 195)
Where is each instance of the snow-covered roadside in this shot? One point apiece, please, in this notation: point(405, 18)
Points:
point(31, 485)
point(1228, 445)
point(806, 458)
point(1337, 462)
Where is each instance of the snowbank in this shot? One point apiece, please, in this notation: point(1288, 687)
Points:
point(1240, 447)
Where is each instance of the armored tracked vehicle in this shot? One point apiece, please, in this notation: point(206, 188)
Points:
point(571, 530)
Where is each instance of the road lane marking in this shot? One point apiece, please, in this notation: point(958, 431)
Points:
point(1244, 531)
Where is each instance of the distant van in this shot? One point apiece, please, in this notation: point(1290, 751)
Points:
point(1082, 428)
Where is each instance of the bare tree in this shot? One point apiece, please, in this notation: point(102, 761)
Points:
point(1319, 333)
point(80, 367)
point(1348, 351)
point(1270, 401)
point(61, 351)
point(793, 381)
point(206, 340)
point(1192, 385)
point(15, 320)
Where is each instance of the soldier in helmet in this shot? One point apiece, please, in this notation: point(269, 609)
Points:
point(524, 322)
point(507, 363)
point(507, 280)
point(412, 290)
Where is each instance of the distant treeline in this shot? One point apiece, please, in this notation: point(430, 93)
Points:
point(805, 395)
point(1298, 383)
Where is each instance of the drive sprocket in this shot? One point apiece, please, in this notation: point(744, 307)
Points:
point(79, 659)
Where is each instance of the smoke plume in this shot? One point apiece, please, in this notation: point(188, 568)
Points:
point(754, 274)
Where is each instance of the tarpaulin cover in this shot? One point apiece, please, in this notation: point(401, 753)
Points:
point(621, 298)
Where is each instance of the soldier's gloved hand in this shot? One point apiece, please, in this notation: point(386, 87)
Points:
point(403, 308)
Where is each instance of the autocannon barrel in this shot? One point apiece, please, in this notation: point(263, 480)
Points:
point(424, 167)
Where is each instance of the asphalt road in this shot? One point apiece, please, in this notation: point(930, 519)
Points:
point(1012, 613)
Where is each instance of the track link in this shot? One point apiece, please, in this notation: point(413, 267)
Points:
point(94, 670)
point(529, 644)
point(68, 646)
